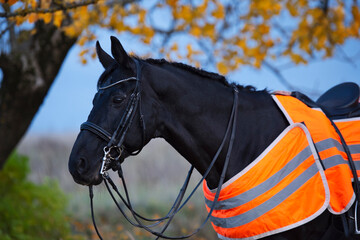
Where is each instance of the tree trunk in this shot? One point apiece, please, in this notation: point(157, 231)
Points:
point(28, 70)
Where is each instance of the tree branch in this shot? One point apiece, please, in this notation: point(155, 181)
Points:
point(58, 7)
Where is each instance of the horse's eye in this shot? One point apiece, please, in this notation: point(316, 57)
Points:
point(118, 99)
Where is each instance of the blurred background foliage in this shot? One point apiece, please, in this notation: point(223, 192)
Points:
point(27, 210)
point(34, 206)
point(226, 33)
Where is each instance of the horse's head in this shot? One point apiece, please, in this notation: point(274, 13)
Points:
point(116, 121)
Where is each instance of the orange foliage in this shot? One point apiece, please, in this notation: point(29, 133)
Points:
point(238, 32)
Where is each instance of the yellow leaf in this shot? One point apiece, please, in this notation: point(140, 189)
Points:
point(46, 17)
point(321, 42)
point(33, 17)
point(257, 63)
point(93, 55)
point(148, 32)
point(329, 52)
point(104, 9)
point(223, 69)
point(241, 42)
point(186, 13)
point(219, 12)
point(83, 52)
point(33, 3)
point(297, 58)
point(269, 43)
point(209, 30)
point(263, 29)
point(146, 40)
point(174, 47)
point(172, 3)
point(58, 17)
point(19, 20)
point(70, 31)
point(356, 14)
point(136, 30)
point(142, 15)
point(168, 56)
point(316, 13)
point(45, 3)
point(189, 49)
point(263, 4)
point(202, 8)
point(82, 41)
point(197, 64)
point(305, 44)
point(195, 31)
point(292, 9)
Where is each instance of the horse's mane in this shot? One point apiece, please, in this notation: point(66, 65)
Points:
point(198, 71)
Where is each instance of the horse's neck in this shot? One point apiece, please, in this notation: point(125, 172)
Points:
point(194, 116)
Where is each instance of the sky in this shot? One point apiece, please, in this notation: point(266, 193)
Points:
point(69, 100)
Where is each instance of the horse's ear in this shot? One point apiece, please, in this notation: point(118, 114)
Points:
point(105, 59)
point(118, 52)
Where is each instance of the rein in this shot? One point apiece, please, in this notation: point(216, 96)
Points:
point(111, 160)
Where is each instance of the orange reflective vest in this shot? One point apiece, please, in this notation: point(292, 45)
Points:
point(302, 173)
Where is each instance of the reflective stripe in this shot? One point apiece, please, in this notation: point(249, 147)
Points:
point(348, 119)
point(278, 198)
point(333, 161)
point(328, 143)
point(337, 160)
point(264, 186)
point(354, 149)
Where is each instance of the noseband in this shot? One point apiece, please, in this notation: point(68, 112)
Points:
point(113, 150)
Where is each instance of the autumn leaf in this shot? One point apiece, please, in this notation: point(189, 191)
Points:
point(195, 31)
point(297, 58)
point(33, 17)
point(219, 11)
point(222, 68)
point(185, 13)
point(47, 17)
point(58, 17)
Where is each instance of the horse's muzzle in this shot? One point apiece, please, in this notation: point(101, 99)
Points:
point(83, 173)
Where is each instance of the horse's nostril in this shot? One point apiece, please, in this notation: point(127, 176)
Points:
point(82, 165)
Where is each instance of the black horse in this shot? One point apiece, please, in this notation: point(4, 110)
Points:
point(190, 109)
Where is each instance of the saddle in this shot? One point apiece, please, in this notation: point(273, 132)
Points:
point(339, 102)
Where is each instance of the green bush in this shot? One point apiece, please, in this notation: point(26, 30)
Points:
point(29, 211)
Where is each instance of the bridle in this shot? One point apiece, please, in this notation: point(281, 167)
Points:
point(114, 149)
